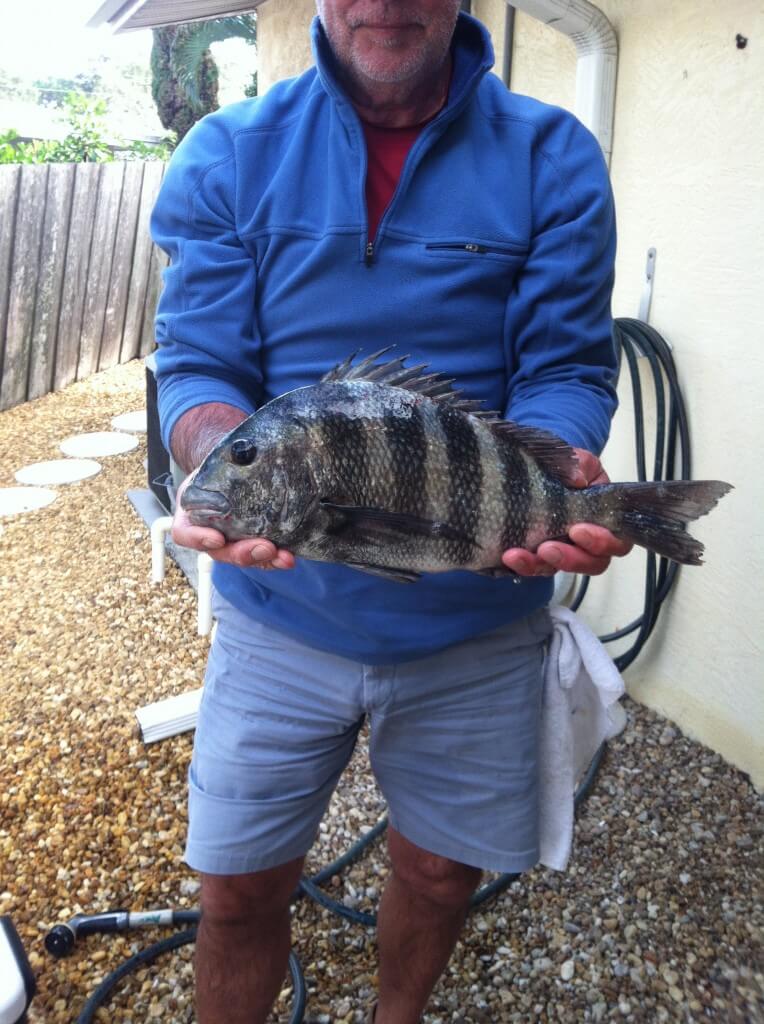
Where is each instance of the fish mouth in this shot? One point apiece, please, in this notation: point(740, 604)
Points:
point(203, 502)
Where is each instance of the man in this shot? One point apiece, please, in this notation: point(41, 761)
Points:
point(396, 193)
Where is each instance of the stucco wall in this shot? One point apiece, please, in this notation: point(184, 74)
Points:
point(283, 44)
point(688, 176)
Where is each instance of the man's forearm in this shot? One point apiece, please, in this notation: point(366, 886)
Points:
point(198, 431)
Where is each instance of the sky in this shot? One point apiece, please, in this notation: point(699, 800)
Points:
point(42, 38)
point(48, 37)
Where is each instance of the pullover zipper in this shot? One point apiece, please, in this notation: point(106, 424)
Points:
point(450, 113)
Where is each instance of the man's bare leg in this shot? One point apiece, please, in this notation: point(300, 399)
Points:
point(242, 946)
point(420, 917)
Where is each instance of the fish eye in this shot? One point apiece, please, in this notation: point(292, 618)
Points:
point(243, 451)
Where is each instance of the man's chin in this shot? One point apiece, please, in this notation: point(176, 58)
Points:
point(389, 67)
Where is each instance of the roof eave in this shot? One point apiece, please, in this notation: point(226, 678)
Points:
point(133, 15)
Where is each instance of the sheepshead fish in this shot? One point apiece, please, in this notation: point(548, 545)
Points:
point(387, 469)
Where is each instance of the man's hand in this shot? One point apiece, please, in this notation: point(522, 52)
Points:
point(592, 546)
point(253, 553)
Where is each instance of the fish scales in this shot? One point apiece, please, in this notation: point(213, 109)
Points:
point(350, 445)
point(549, 507)
point(516, 494)
point(407, 444)
point(494, 509)
point(465, 474)
point(389, 471)
point(437, 479)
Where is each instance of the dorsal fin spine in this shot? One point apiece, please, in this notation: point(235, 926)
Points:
point(551, 453)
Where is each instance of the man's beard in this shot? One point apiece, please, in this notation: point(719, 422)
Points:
point(419, 62)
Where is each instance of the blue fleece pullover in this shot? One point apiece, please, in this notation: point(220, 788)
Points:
point(493, 263)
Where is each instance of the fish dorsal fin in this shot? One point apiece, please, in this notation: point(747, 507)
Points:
point(553, 455)
point(412, 378)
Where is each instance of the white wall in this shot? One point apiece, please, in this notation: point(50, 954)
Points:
point(688, 176)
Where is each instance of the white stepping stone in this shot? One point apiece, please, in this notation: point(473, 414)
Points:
point(57, 471)
point(14, 500)
point(98, 444)
point(132, 422)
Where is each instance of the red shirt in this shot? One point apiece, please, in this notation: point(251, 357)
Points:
point(387, 149)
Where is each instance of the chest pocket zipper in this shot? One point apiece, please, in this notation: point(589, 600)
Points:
point(476, 247)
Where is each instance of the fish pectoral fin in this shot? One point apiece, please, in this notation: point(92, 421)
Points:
point(381, 519)
point(398, 575)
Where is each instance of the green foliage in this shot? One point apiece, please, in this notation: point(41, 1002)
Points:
point(149, 151)
point(85, 141)
point(176, 111)
point(15, 151)
point(190, 47)
point(13, 87)
point(184, 74)
point(55, 92)
point(251, 89)
point(8, 150)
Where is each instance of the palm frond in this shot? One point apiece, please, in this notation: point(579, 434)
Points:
point(190, 48)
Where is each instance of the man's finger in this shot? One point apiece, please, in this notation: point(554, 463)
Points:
point(598, 540)
point(200, 538)
point(525, 563)
point(570, 558)
point(283, 560)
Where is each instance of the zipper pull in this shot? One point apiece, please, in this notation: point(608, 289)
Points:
point(369, 253)
point(472, 247)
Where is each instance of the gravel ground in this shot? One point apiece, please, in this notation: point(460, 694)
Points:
point(658, 917)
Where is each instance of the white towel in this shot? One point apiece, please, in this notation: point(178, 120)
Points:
point(579, 711)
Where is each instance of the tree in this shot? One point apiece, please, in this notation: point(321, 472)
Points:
point(54, 91)
point(12, 87)
point(184, 73)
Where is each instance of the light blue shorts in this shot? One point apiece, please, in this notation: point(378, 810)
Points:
point(453, 745)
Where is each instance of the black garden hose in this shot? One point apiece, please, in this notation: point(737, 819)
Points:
point(672, 434)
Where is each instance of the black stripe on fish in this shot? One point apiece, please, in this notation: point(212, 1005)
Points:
point(518, 495)
point(407, 446)
point(465, 479)
point(346, 438)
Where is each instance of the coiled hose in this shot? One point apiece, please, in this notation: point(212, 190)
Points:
point(633, 338)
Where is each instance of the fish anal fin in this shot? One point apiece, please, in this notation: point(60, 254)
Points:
point(385, 572)
point(498, 572)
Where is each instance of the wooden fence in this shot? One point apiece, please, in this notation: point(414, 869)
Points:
point(79, 275)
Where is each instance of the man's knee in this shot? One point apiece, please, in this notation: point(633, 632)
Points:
point(239, 901)
point(436, 879)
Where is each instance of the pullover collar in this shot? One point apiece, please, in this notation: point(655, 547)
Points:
point(471, 51)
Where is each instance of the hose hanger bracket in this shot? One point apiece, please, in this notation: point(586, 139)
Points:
point(647, 288)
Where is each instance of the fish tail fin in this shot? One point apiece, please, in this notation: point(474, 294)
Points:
point(654, 514)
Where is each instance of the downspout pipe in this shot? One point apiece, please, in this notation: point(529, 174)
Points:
point(597, 48)
point(509, 42)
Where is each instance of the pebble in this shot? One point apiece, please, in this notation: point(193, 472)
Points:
point(667, 736)
point(664, 871)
